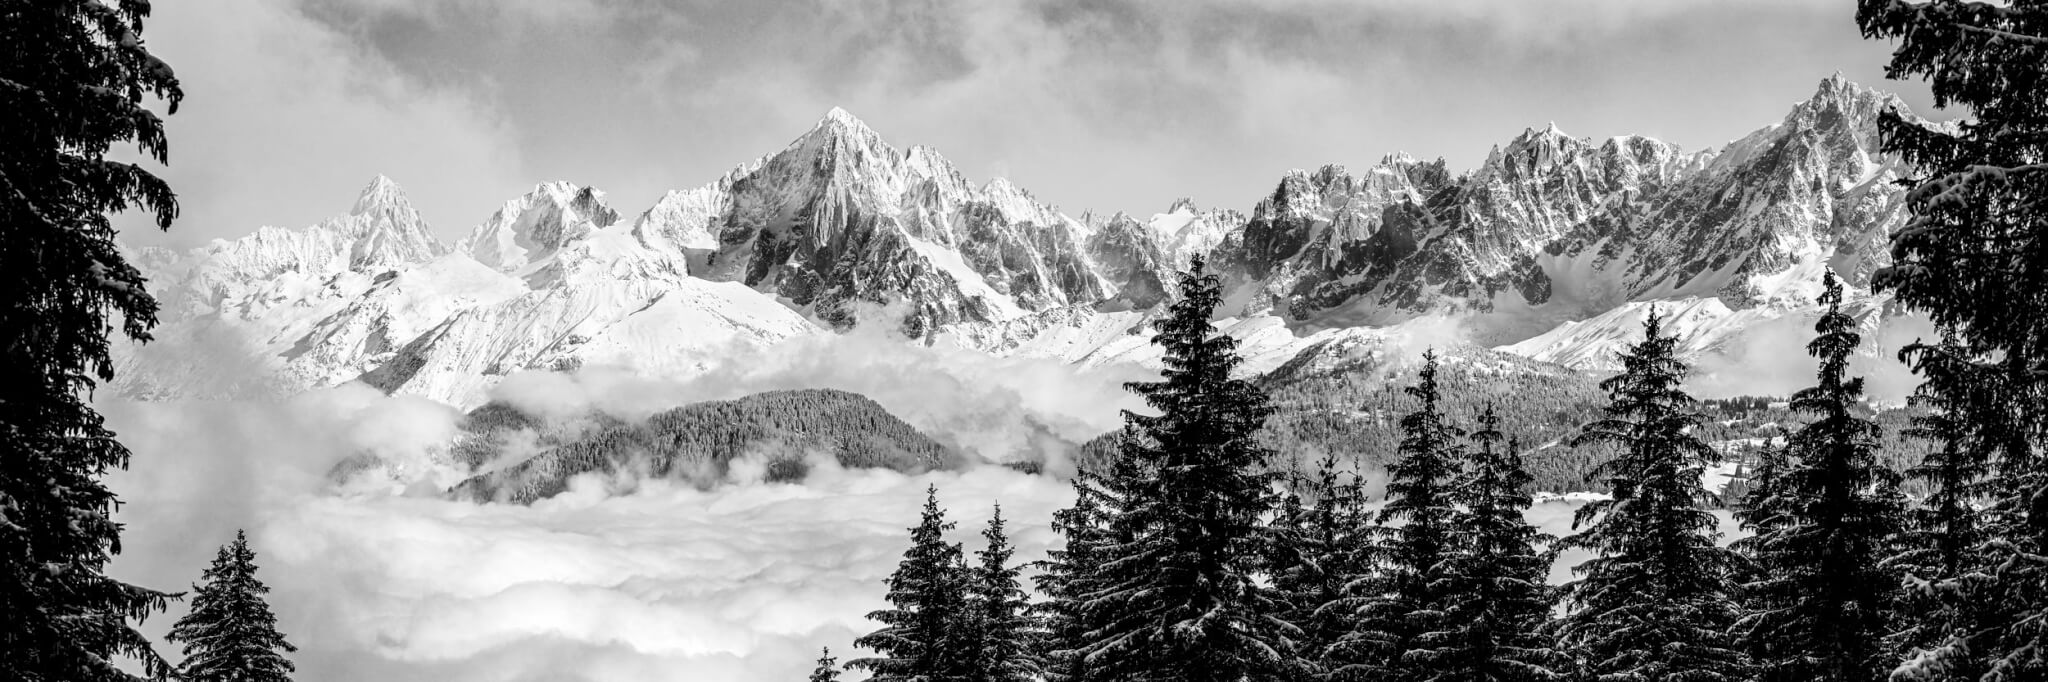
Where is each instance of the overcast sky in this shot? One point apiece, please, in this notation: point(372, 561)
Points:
point(293, 105)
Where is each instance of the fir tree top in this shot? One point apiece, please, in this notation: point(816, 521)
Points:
point(230, 634)
point(828, 667)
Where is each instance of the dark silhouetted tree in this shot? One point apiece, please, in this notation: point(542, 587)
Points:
point(1319, 547)
point(1818, 611)
point(1498, 604)
point(1178, 598)
point(1656, 600)
point(828, 667)
point(1002, 632)
point(1066, 577)
point(73, 78)
point(230, 635)
point(1974, 257)
point(1408, 599)
point(920, 639)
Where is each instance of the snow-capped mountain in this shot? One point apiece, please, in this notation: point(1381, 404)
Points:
point(1552, 248)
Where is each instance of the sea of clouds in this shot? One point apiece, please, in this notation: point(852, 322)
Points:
point(737, 580)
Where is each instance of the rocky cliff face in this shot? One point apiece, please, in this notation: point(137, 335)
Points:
point(1566, 228)
point(1546, 249)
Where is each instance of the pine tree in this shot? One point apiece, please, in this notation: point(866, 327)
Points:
point(1178, 599)
point(1972, 258)
point(1498, 603)
point(1956, 549)
point(1066, 577)
point(1318, 549)
point(1655, 602)
point(1821, 603)
point(1942, 529)
point(230, 634)
point(828, 667)
point(1003, 633)
point(73, 78)
point(920, 638)
point(1409, 599)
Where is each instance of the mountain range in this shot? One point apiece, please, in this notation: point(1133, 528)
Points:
point(1553, 249)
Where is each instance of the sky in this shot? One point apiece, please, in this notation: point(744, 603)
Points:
point(293, 106)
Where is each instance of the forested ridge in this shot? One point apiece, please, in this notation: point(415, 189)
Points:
point(695, 443)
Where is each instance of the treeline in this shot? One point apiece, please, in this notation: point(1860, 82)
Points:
point(1189, 557)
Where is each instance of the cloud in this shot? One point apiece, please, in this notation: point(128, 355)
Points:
point(1770, 359)
point(740, 582)
point(991, 409)
point(743, 582)
point(1105, 106)
point(285, 119)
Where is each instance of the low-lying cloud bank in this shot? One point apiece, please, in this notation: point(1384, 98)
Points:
point(741, 582)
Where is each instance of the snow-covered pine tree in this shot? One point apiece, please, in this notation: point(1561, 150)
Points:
point(1972, 257)
point(1656, 600)
point(1066, 577)
point(1178, 598)
point(1941, 530)
point(76, 73)
point(828, 667)
point(920, 639)
point(1407, 599)
point(230, 634)
point(1003, 633)
point(1319, 547)
point(1498, 605)
point(1764, 508)
point(1818, 610)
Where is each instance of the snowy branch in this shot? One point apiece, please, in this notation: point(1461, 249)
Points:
point(2007, 35)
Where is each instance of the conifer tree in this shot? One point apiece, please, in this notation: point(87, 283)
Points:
point(828, 667)
point(1066, 578)
point(230, 634)
point(1941, 530)
point(1971, 257)
point(73, 78)
point(1655, 602)
point(1408, 598)
point(920, 638)
point(1178, 599)
point(1318, 549)
point(1820, 606)
point(1497, 601)
point(1002, 631)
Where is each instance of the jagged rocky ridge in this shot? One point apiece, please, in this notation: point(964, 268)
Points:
point(1549, 249)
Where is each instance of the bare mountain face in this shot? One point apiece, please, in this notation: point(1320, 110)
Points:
point(1551, 249)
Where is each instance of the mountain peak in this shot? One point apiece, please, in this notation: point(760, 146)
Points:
point(382, 192)
point(841, 118)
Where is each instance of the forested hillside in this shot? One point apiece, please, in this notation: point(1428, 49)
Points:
point(698, 443)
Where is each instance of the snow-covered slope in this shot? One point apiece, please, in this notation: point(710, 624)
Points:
point(553, 280)
point(1554, 248)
